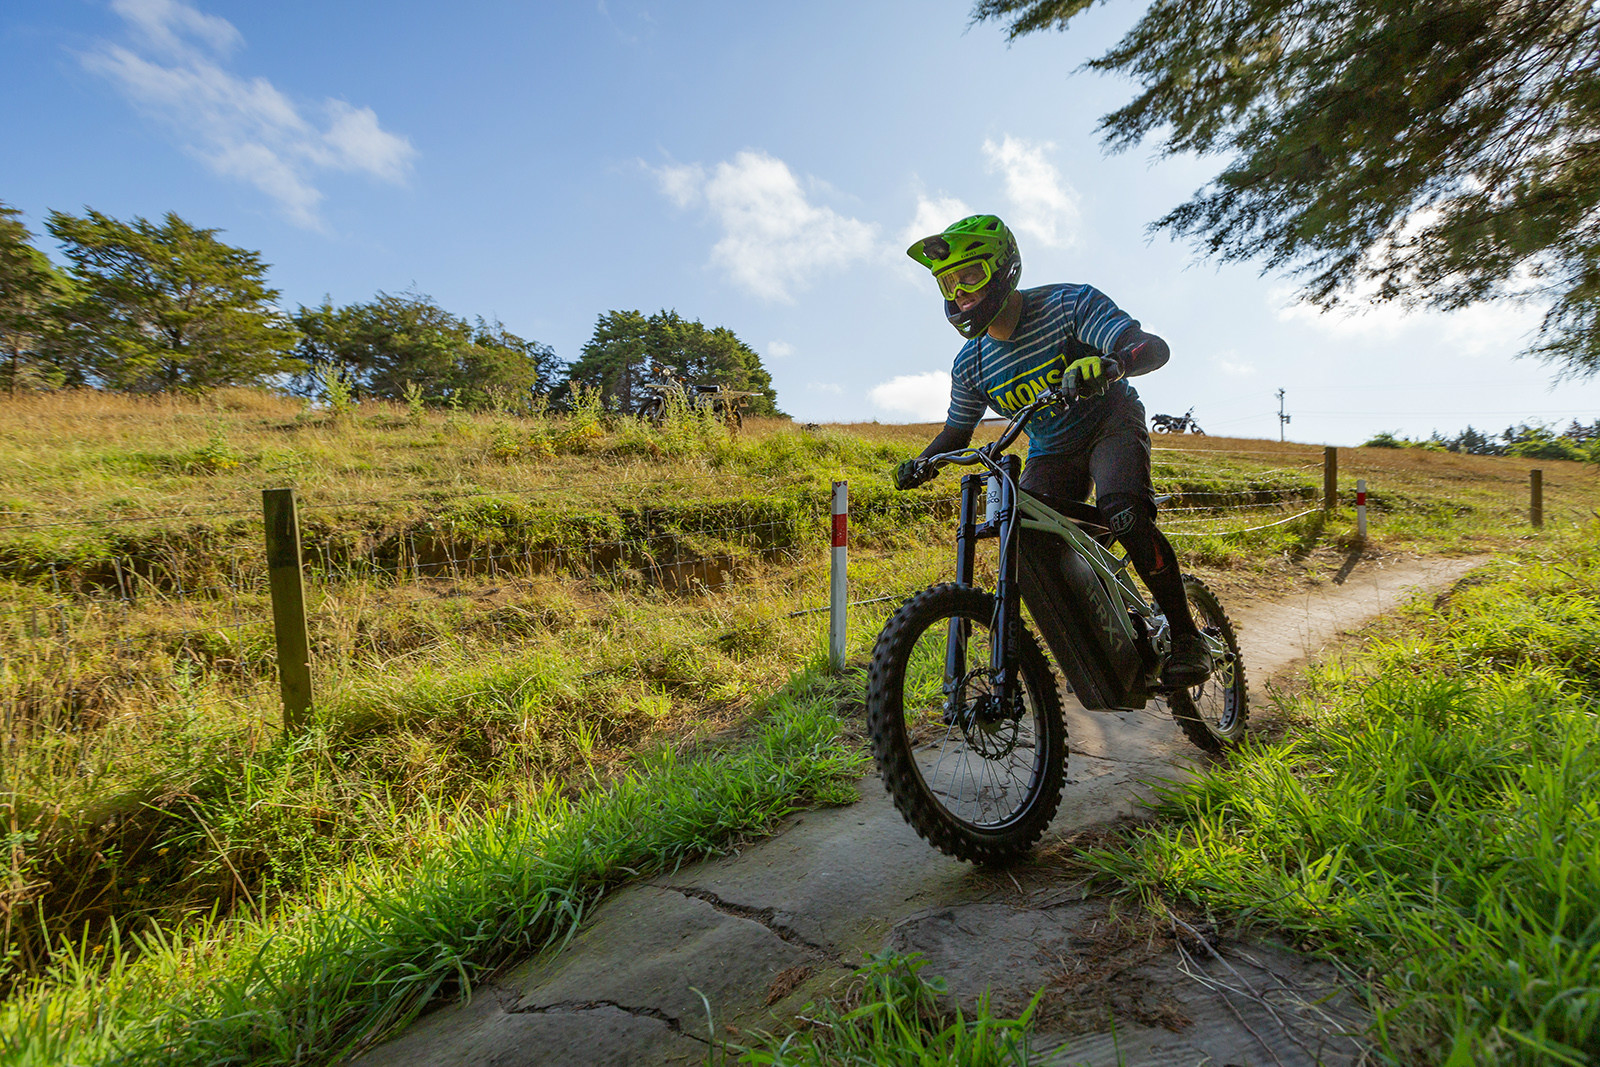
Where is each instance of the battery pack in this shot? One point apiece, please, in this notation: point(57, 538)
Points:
point(1073, 614)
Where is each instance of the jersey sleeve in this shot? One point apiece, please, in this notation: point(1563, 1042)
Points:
point(1097, 321)
point(967, 401)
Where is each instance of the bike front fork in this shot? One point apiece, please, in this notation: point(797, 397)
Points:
point(1007, 621)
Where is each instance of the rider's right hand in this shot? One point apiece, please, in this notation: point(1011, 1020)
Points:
point(912, 473)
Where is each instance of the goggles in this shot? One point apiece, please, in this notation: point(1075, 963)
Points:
point(967, 278)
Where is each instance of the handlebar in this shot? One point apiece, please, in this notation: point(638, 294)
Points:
point(1067, 392)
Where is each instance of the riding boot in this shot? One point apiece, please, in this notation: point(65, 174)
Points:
point(1189, 662)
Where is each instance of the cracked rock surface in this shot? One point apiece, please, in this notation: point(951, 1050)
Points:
point(759, 933)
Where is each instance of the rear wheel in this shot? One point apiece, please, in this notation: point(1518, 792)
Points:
point(1213, 714)
point(978, 781)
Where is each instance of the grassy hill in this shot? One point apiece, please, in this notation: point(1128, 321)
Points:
point(509, 615)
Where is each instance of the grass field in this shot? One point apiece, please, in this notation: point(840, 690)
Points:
point(1429, 821)
point(511, 617)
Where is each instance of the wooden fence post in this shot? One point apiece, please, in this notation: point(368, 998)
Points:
point(286, 580)
point(1536, 497)
point(1330, 478)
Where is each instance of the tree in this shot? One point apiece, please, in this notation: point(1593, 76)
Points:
point(396, 340)
point(1475, 443)
point(627, 351)
point(615, 360)
point(503, 361)
point(1437, 153)
point(169, 307)
point(30, 290)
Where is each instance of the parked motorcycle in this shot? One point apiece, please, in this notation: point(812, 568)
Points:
point(1176, 423)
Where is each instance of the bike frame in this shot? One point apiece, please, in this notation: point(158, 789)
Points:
point(1009, 511)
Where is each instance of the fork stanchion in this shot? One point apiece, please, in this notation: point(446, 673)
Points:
point(839, 585)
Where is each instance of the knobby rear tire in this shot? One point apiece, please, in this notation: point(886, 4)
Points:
point(1214, 713)
point(1034, 746)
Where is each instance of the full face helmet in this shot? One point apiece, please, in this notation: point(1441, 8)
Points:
point(977, 253)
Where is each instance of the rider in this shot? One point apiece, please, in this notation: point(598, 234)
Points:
point(1021, 342)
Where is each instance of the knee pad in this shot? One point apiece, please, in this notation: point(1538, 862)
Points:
point(1131, 519)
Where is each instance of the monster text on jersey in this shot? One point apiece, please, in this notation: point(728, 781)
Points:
point(1058, 324)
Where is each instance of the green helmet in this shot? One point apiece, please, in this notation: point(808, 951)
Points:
point(967, 257)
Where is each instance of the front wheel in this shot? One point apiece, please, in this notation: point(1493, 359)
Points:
point(976, 780)
point(1213, 714)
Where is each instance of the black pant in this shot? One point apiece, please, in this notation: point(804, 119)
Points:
point(1116, 462)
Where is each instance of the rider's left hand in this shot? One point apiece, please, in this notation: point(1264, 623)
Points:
point(1089, 375)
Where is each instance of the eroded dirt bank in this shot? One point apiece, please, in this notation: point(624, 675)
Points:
point(761, 932)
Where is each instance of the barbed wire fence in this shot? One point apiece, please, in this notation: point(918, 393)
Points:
point(169, 615)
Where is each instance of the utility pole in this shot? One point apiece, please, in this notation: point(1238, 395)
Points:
point(1283, 420)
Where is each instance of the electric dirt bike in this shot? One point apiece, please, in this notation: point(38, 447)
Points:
point(964, 710)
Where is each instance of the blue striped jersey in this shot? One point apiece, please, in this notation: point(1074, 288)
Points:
point(1059, 324)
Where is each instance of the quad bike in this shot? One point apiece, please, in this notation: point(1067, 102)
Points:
point(726, 404)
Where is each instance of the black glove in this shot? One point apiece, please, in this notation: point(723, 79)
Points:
point(1090, 376)
point(912, 473)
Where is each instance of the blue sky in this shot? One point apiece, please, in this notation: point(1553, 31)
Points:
point(755, 166)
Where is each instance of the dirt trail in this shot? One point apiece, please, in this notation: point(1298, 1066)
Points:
point(762, 931)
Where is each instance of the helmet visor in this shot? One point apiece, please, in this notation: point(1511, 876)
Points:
point(969, 277)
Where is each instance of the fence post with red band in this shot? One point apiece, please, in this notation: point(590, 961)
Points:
point(838, 587)
point(1361, 508)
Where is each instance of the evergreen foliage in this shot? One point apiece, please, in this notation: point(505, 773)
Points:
point(628, 351)
point(1577, 442)
point(167, 307)
point(159, 307)
point(378, 348)
point(1439, 153)
point(29, 288)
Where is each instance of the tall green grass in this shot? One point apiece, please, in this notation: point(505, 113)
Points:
point(895, 1016)
point(318, 980)
point(1433, 821)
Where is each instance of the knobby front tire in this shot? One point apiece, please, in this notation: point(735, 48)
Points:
point(1213, 714)
point(981, 788)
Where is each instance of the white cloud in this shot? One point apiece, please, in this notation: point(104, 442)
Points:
point(1230, 364)
point(241, 128)
point(161, 24)
point(1498, 328)
point(1042, 205)
point(773, 238)
point(681, 184)
point(933, 216)
point(924, 397)
point(779, 349)
point(829, 388)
